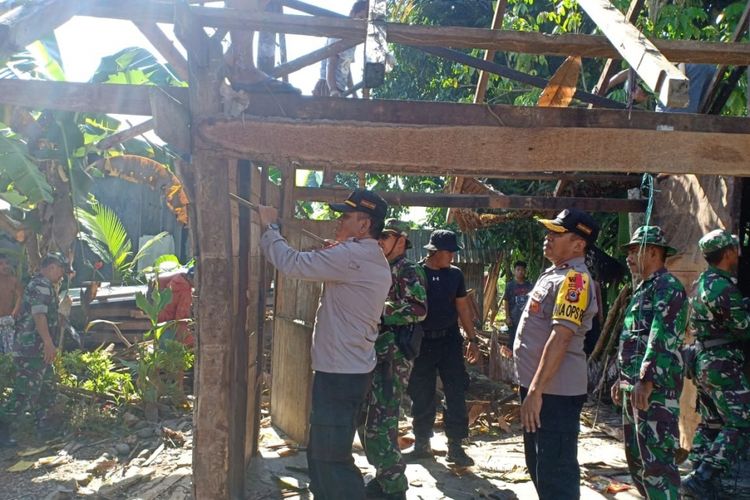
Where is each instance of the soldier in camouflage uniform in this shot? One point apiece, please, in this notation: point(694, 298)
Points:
point(406, 305)
point(34, 347)
point(721, 320)
point(650, 366)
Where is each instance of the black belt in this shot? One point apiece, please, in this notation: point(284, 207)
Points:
point(438, 334)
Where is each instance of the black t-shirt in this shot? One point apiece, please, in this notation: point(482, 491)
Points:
point(516, 294)
point(443, 287)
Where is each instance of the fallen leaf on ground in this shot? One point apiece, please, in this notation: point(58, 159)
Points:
point(31, 451)
point(292, 483)
point(21, 466)
point(617, 487)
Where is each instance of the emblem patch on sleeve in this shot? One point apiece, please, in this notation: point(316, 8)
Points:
point(572, 298)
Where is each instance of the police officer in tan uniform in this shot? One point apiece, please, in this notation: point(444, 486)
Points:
point(550, 360)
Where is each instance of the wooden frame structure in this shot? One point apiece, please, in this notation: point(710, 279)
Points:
point(392, 137)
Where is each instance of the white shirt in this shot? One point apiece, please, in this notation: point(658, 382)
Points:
point(356, 278)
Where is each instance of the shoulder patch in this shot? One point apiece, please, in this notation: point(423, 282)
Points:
point(572, 297)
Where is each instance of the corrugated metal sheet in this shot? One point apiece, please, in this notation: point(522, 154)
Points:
point(473, 252)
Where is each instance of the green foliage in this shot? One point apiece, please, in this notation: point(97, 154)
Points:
point(105, 234)
point(20, 178)
point(162, 361)
point(135, 66)
point(96, 371)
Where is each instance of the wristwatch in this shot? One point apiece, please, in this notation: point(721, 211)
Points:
point(272, 227)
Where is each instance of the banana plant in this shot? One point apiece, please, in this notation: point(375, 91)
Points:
point(49, 158)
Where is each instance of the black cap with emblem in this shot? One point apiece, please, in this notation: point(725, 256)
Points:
point(574, 221)
point(365, 201)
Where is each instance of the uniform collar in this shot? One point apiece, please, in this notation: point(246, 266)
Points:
point(575, 261)
point(721, 272)
point(657, 273)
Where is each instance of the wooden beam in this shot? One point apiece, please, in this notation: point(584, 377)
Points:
point(166, 48)
point(664, 78)
point(444, 36)
point(172, 122)
point(312, 57)
point(483, 151)
point(84, 97)
point(126, 135)
point(609, 69)
point(713, 86)
point(401, 199)
point(513, 74)
point(443, 113)
point(489, 54)
point(31, 21)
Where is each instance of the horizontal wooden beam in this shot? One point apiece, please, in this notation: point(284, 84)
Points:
point(444, 113)
point(30, 22)
point(84, 97)
point(474, 150)
point(442, 36)
point(507, 202)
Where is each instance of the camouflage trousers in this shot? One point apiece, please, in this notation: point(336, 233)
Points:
point(389, 381)
point(33, 389)
point(651, 440)
point(724, 407)
point(7, 334)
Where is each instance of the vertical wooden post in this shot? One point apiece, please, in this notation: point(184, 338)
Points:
point(215, 447)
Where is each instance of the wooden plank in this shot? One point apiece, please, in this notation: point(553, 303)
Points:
point(312, 58)
point(376, 46)
point(489, 54)
point(484, 151)
point(474, 201)
point(609, 69)
point(126, 135)
point(513, 74)
point(84, 97)
point(166, 48)
point(444, 36)
point(442, 113)
point(664, 78)
point(171, 122)
point(31, 21)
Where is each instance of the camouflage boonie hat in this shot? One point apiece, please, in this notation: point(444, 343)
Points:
point(650, 235)
point(62, 260)
point(399, 228)
point(716, 240)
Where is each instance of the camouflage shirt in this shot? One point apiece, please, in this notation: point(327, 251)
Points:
point(653, 333)
point(407, 299)
point(718, 308)
point(39, 297)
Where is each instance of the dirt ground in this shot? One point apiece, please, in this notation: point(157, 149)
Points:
point(153, 461)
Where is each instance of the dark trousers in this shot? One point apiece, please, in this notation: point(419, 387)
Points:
point(442, 356)
point(552, 451)
point(336, 405)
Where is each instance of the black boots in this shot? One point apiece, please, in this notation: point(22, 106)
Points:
point(6, 440)
point(702, 483)
point(457, 455)
point(422, 449)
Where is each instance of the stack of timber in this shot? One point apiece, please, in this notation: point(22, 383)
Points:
point(111, 303)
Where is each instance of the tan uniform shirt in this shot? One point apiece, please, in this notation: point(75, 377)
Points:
point(356, 278)
point(563, 295)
